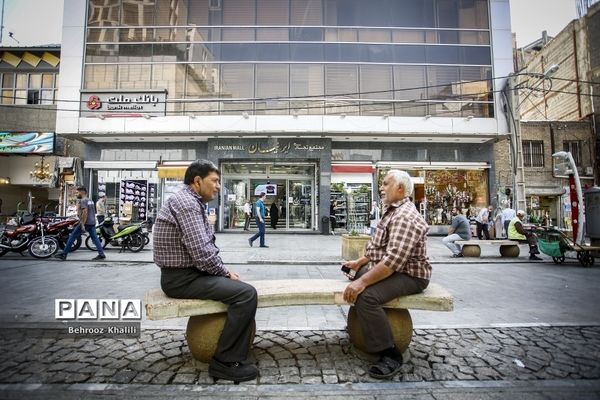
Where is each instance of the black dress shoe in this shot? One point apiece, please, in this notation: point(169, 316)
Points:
point(534, 257)
point(232, 371)
point(264, 246)
point(250, 242)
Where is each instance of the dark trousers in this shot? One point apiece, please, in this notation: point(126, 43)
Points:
point(190, 283)
point(76, 234)
point(260, 234)
point(531, 240)
point(246, 222)
point(506, 223)
point(482, 228)
point(100, 218)
point(369, 307)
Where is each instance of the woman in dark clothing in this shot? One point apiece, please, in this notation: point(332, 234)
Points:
point(274, 213)
point(332, 220)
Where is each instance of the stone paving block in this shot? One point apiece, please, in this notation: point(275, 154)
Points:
point(163, 378)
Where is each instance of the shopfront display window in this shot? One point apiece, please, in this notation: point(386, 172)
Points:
point(436, 192)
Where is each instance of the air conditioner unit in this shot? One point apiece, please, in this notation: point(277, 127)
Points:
point(589, 171)
point(214, 5)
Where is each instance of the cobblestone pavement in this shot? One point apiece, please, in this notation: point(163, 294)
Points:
point(308, 357)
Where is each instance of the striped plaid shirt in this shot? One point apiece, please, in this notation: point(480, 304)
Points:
point(182, 236)
point(400, 241)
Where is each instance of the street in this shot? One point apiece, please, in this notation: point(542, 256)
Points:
point(513, 321)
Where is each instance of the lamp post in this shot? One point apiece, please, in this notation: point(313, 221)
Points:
point(565, 165)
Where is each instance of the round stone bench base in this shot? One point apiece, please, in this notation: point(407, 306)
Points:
point(203, 333)
point(471, 250)
point(509, 250)
point(400, 323)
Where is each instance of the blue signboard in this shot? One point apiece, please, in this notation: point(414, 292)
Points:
point(27, 142)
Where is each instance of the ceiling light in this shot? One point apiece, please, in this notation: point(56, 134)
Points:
point(245, 115)
point(147, 116)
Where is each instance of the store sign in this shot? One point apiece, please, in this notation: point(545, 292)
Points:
point(121, 104)
point(271, 147)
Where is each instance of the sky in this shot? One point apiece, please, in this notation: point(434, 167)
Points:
point(35, 22)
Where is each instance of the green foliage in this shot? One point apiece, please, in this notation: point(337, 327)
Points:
point(338, 187)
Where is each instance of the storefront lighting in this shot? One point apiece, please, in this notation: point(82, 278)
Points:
point(41, 171)
point(4, 181)
point(470, 117)
point(100, 116)
point(147, 116)
point(245, 115)
point(427, 116)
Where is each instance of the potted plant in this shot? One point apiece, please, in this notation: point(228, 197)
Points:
point(354, 244)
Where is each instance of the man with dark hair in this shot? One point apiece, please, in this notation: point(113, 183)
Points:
point(87, 221)
point(260, 221)
point(191, 268)
point(460, 229)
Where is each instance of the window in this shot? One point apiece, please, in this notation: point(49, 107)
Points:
point(574, 147)
point(533, 153)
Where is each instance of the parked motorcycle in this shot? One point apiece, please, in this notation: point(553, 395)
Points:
point(129, 236)
point(29, 235)
point(61, 230)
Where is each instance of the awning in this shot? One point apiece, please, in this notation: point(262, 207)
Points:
point(544, 191)
point(171, 172)
point(151, 165)
point(173, 169)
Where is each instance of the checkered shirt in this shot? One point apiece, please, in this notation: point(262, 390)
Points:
point(400, 241)
point(182, 236)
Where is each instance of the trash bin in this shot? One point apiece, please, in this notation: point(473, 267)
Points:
point(325, 224)
point(591, 199)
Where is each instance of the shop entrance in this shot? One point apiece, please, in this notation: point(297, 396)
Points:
point(290, 189)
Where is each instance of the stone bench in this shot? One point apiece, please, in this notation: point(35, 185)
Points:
point(207, 317)
point(471, 248)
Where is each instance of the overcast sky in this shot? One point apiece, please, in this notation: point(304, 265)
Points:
point(35, 22)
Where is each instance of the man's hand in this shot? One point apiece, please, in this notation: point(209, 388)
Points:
point(354, 264)
point(353, 290)
point(234, 276)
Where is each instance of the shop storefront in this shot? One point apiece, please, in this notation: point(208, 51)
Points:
point(294, 174)
point(438, 187)
point(131, 188)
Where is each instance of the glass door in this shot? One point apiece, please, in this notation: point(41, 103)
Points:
point(234, 197)
point(299, 207)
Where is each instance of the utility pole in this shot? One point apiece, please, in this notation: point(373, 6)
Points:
point(2, 22)
point(518, 167)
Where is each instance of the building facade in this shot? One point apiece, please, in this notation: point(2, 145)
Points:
point(28, 78)
point(298, 98)
point(555, 106)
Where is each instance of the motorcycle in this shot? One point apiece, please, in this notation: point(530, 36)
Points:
point(62, 229)
point(129, 236)
point(29, 235)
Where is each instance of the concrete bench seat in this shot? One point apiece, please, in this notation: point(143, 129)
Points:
point(471, 248)
point(207, 317)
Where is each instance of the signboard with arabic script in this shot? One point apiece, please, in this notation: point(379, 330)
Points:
point(123, 103)
point(270, 147)
point(27, 142)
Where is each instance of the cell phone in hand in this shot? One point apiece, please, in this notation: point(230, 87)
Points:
point(350, 273)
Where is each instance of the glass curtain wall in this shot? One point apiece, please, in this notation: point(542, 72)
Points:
point(377, 57)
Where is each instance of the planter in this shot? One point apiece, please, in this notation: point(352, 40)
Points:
point(353, 247)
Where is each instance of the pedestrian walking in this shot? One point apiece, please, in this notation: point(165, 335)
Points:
point(247, 214)
point(87, 221)
point(274, 214)
point(191, 268)
point(374, 217)
point(482, 220)
point(260, 220)
point(101, 209)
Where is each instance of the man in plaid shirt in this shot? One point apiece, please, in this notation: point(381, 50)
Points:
point(395, 264)
point(191, 268)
